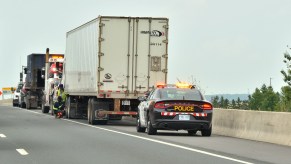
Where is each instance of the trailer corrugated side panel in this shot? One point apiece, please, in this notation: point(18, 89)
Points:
point(81, 59)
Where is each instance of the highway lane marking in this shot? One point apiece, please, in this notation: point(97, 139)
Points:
point(22, 151)
point(156, 141)
point(164, 143)
point(2, 136)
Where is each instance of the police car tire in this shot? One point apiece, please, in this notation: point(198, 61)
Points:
point(150, 129)
point(206, 132)
point(138, 127)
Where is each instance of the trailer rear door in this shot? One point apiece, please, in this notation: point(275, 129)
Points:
point(132, 54)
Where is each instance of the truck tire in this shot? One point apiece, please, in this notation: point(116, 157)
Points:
point(27, 105)
point(91, 113)
point(45, 109)
point(22, 105)
point(51, 108)
point(68, 107)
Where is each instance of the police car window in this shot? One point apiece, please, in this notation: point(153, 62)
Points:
point(150, 95)
point(156, 95)
point(181, 94)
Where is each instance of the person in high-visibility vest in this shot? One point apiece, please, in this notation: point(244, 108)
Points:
point(61, 92)
point(58, 108)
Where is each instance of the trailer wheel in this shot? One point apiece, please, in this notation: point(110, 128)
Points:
point(22, 105)
point(27, 105)
point(45, 109)
point(91, 113)
point(68, 107)
point(51, 108)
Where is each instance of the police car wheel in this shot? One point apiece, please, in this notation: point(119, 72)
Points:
point(150, 129)
point(138, 127)
point(206, 132)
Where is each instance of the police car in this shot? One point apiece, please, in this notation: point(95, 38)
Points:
point(175, 107)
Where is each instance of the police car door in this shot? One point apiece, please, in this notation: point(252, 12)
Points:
point(143, 110)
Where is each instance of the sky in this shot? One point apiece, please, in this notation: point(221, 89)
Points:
point(224, 47)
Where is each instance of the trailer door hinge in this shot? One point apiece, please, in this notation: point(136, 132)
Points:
point(100, 69)
point(166, 26)
point(123, 86)
point(165, 41)
point(100, 54)
point(165, 70)
point(101, 24)
point(101, 39)
point(100, 83)
point(165, 56)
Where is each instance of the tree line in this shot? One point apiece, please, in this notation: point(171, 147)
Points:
point(264, 98)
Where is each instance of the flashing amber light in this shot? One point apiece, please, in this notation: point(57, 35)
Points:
point(183, 85)
point(57, 57)
point(161, 85)
point(207, 107)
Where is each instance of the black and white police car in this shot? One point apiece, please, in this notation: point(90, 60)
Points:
point(175, 107)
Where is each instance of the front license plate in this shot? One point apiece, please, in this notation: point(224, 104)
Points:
point(184, 117)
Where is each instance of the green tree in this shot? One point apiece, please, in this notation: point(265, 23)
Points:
point(233, 104)
point(270, 99)
point(221, 102)
point(287, 73)
point(264, 99)
point(226, 103)
point(245, 105)
point(285, 101)
point(255, 100)
point(239, 103)
point(214, 101)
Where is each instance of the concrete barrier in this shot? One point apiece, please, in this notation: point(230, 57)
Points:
point(272, 127)
point(6, 102)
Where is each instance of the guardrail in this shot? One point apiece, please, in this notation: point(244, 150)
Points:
point(272, 127)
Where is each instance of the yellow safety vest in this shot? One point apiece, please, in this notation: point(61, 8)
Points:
point(62, 94)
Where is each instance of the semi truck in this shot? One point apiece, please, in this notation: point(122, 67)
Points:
point(52, 75)
point(34, 84)
point(110, 61)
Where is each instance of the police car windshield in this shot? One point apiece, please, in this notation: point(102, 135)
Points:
point(180, 94)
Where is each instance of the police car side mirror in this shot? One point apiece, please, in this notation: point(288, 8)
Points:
point(141, 98)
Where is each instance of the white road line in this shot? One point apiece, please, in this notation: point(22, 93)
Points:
point(2, 136)
point(22, 151)
point(158, 141)
point(164, 143)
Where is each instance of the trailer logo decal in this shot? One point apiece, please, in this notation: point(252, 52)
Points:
point(107, 76)
point(155, 33)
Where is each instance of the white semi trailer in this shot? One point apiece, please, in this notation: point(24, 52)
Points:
point(109, 62)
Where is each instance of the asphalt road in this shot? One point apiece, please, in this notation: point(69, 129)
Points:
point(30, 137)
